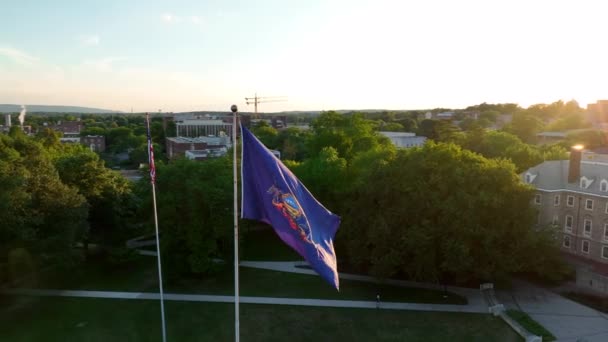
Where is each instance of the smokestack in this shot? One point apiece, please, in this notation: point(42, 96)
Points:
point(22, 115)
point(574, 170)
point(7, 120)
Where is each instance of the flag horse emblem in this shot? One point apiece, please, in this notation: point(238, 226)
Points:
point(289, 207)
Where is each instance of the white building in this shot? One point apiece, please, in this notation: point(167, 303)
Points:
point(404, 139)
point(199, 128)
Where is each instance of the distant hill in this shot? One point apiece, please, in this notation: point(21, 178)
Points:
point(13, 108)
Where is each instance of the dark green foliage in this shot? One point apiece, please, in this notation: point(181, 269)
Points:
point(497, 144)
point(194, 213)
point(38, 212)
point(348, 135)
point(439, 211)
point(438, 130)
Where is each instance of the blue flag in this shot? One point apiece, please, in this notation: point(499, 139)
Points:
point(272, 194)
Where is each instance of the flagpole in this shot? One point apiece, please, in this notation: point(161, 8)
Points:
point(160, 275)
point(153, 182)
point(234, 110)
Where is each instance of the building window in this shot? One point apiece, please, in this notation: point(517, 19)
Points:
point(605, 252)
point(585, 247)
point(589, 204)
point(588, 227)
point(555, 221)
point(605, 231)
point(604, 185)
point(568, 225)
point(537, 199)
point(607, 208)
point(556, 200)
point(566, 242)
point(570, 201)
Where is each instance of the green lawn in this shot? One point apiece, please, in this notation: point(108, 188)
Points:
point(256, 282)
point(141, 275)
point(265, 245)
point(92, 320)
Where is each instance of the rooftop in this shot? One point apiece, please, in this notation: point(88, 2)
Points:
point(553, 176)
point(213, 140)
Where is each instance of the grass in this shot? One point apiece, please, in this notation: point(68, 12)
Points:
point(256, 282)
point(138, 275)
point(141, 276)
point(597, 302)
point(265, 245)
point(83, 319)
point(530, 324)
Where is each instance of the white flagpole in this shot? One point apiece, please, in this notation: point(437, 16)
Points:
point(234, 110)
point(160, 274)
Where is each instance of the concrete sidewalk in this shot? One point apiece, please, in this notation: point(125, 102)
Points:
point(567, 320)
point(247, 300)
point(473, 296)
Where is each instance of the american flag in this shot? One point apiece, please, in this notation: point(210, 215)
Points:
point(150, 152)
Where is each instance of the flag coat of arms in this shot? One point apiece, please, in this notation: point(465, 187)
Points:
point(272, 194)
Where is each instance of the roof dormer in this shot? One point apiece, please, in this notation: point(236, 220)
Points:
point(529, 177)
point(585, 182)
point(604, 185)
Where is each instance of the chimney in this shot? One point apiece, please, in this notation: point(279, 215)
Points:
point(574, 169)
point(7, 120)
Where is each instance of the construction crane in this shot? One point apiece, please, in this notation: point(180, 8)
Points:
point(255, 100)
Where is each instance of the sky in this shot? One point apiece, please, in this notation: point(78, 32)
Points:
point(321, 55)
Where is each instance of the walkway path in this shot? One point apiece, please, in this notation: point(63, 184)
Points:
point(567, 320)
point(473, 296)
point(248, 300)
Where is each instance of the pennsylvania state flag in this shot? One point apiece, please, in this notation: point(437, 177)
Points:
point(272, 194)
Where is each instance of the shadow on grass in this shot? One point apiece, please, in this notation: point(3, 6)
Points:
point(85, 319)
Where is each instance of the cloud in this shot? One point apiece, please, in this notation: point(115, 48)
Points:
point(195, 19)
point(170, 18)
point(104, 64)
point(89, 39)
point(18, 56)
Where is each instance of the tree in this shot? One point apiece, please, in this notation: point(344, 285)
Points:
point(266, 134)
point(325, 176)
point(348, 135)
point(37, 211)
point(490, 115)
point(440, 212)
point(525, 125)
point(409, 124)
point(194, 211)
point(393, 127)
point(93, 130)
point(109, 195)
point(439, 130)
point(292, 143)
point(495, 144)
point(49, 138)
